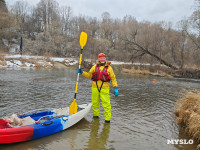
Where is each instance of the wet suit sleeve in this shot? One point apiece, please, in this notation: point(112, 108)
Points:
point(113, 78)
point(89, 74)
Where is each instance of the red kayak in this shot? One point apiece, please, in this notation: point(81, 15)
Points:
point(45, 123)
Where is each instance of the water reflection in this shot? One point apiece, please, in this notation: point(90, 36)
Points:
point(98, 139)
point(142, 115)
point(183, 136)
point(67, 139)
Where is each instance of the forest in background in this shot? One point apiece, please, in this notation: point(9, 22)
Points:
point(50, 30)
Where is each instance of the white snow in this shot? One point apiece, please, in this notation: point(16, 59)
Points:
point(12, 56)
point(73, 63)
point(57, 59)
point(18, 62)
point(15, 63)
point(49, 63)
point(129, 63)
point(9, 63)
point(118, 62)
point(24, 56)
point(29, 64)
point(67, 61)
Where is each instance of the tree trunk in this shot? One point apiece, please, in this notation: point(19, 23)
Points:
point(162, 61)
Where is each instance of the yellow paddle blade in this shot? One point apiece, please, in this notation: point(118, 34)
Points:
point(73, 108)
point(83, 39)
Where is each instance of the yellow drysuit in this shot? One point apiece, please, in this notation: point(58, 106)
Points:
point(104, 94)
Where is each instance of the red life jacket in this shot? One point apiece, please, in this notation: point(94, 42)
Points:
point(101, 75)
point(4, 124)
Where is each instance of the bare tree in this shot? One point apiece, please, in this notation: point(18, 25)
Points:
point(20, 10)
point(66, 15)
point(141, 42)
point(52, 30)
point(48, 12)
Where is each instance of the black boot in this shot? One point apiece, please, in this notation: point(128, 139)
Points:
point(107, 121)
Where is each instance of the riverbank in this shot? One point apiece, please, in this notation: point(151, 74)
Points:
point(41, 62)
point(188, 114)
point(146, 69)
point(34, 62)
point(159, 70)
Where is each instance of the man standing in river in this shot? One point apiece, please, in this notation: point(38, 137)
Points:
point(101, 75)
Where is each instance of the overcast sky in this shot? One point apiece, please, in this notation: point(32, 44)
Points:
point(150, 10)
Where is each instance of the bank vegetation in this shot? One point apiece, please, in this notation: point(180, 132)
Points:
point(188, 114)
point(50, 30)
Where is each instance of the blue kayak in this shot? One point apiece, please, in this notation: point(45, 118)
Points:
point(45, 123)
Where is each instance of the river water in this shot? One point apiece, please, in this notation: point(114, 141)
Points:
point(142, 114)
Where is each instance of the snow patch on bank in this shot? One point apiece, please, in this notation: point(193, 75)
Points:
point(129, 63)
point(25, 61)
point(57, 59)
point(29, 64)
point(17, 62)
point(24, 57)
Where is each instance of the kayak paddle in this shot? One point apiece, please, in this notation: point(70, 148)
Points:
point(73, 107)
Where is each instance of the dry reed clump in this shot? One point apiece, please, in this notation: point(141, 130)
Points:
point(193, 67)
point(162, 74)
point(1, 57)
point(188, 114)
point(145, 72)
point(3, 63)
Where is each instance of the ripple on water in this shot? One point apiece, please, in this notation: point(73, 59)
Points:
point(142, 115)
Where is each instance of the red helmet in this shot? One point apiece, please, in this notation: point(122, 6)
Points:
point(101, 55)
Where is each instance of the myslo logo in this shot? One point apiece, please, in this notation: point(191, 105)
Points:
point(180, 141)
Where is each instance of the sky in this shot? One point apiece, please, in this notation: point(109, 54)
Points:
point(148, 10)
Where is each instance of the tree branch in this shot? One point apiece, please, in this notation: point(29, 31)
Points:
point(146, 51)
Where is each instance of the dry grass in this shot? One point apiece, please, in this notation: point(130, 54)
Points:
point(162, 74)
point(193, 67)
point(188, 114)
point(134, 71)
point(1, 56)
point(3, 63)
point(2, 59)
point(145, 72)
point(40, 63)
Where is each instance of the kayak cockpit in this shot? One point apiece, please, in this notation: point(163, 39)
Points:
point(34, 117)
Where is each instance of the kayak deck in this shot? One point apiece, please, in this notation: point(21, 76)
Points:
point(46, 123)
